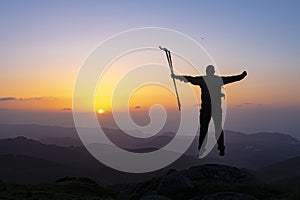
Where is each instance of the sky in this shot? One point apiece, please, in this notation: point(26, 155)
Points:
point(44, 43)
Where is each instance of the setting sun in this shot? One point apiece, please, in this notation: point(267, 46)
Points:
point(100, 111)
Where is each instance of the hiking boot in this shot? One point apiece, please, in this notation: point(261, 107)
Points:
point(201, 152)
point(222, 150)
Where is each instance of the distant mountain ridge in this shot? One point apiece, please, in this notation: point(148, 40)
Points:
point(35, 131)
point(65, 155)
point(255, 152)
point(258, 150)
point(23, 157)
point(280, 170)
point(251, 151)
point(25, 169)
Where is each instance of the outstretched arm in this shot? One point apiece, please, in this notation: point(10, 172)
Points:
point(231, 79)
point(194, 80)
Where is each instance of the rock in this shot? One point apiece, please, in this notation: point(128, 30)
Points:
point(155, 197)
point(68, 179)
point(150, 193)
point(130, 193)
point(174, 183)
point(3, 188)
point(179, 185)
point(229, 196)
point(196, 198)
point(220, 174)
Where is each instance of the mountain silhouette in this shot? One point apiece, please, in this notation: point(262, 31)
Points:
point(29, 170)
point(70, 156)
point(79, 160)
point(255, 152)
point(252, 151)
point(36, 131)
point(280, 170)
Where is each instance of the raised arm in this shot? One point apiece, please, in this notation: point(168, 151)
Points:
point(231, 79)
point(195, 80)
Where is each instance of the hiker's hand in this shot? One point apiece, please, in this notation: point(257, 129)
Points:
point(244, 73)
point(181, 78)
point(174, 76)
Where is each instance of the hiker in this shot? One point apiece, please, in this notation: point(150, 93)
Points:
point(211, 102)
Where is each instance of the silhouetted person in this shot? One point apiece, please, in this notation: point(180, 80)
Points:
point(211, 101)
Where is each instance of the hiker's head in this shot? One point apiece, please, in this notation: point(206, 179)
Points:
point(210, 70)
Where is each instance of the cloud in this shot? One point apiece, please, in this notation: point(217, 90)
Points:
point(8, 99)
point(38, 98)
point(136, 107)
point(27, 99)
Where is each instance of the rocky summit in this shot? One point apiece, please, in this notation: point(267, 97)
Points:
point(196, 183)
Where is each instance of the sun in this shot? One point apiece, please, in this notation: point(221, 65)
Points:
point(100, 111)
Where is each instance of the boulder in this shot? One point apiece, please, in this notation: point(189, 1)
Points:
point(130, 193)
point(174, 183)
point(220, 174)
point(229, 196)
point(155, 197)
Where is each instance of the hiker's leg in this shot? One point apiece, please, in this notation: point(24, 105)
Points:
point(205, 116)
point(217, 117)
point(219, 133)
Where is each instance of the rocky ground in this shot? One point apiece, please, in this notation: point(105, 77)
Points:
point(204, 182)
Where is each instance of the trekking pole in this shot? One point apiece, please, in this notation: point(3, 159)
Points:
point(168, 54)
